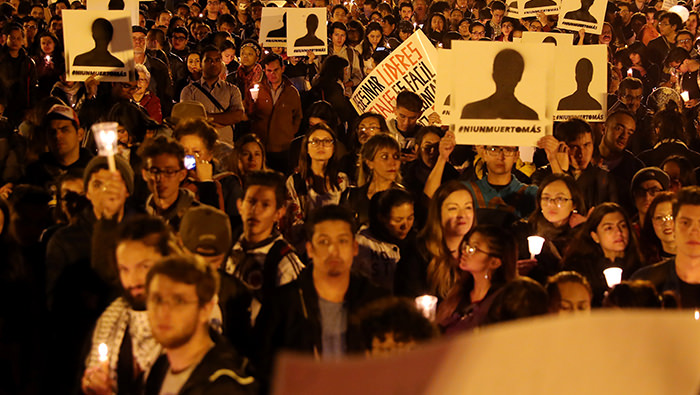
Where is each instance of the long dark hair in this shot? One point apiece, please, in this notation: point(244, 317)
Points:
point(367, 49)
point(583, 244)
point(650, 242)
point(331, 176)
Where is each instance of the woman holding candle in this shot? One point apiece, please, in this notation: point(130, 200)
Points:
point(558, 204)
point(49, 60)
point(487, 256)
point(640, 67)
point(657, 238)
point(603, 241)
point(249, 72)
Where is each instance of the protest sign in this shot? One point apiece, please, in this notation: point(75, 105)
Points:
point(117, 5)
point(580, 83)
point(582, 14)
point(645, 352)
point(306, 31)
point(443, 91)
point(273, 27)
point(98, 42)
point(513, 10)
point(534, 7)
point(503, 98)
point(408, 67)
point(542, 37)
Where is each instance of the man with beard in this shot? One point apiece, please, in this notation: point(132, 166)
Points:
point(123, 326)
point(181, 297)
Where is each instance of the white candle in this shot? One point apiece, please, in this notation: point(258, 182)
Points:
point(613, 276)
point(426, 304)
point(697, 315)
point(534, 244)
point(106, 139)
point(685, 95)
point(630, 73)
point(103, 351)
point(254, 92)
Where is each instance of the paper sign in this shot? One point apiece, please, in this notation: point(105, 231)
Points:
point(273, 27)
point(306, 31)
point(534, 7)
point(408, 67)
point(98, 42)
point(503, 98)
point(443, 91)
point(611, 352)
point(513, 10)
point(117, 5)
point(588, 15)
point(580, 83)
point(542, 37)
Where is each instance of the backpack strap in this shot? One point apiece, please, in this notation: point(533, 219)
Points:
point(478, 195)
point(272, 261)
point(209, 96)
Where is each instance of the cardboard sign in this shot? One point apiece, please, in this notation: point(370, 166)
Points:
point(582, 14)
point(580, 83)
point(408, 67)
point(503, 98)
point(117, 5)
point(273, 27)
point(98, 42)
point(513, 11)
point(534, 7)
point(306, 31)
point(542, 37)
point(645, 352)
point(443, 91)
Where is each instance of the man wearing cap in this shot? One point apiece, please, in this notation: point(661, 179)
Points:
point(161, 82)
point(221, 99)
point(680, 275)
point(646, 184)
point(64, 137)
point(123, 326)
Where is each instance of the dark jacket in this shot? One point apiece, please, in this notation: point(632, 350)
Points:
point(292, 320)
point(664, 277)
point(596, 184)
point(45, 171)
point(219, 372)
point(666, 148)
point(276, 123)
point(18, 77)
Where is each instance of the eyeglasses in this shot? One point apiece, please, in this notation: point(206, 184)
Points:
point(470, 250)
point(663, 218)
point(369, 129)
point(496, 151)
point(684, 41)
point(179, 38)
point(175, 302)
point(557, 201)
point(321, 142)
point(653, 191)
point(633, 98)
point(155, 172)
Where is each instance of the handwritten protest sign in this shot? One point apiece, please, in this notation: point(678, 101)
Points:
point(98, 42)
point(588, 15)
point(503, 98)
point(409, 67)
point(117, 5)
point(608, 352)
point(306, 31)
point(542, 37)
point(580, 83)
point(273, 27)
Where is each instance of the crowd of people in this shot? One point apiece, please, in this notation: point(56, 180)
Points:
point(253, 210)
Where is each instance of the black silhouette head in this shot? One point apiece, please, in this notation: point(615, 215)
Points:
point(584, 72)
point(508, 67)
point(102, 30)
point(311, 23)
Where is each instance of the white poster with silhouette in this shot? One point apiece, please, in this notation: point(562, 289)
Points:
point(503, 98)
point(306, 31)
point(533, 7)
point(443, 90)
point(98, 43)
point(117, 5)
point(273, 27)
point(588, 15)
point(512, 10)
point(552, 38)
point(580, 83)
point(409, 67)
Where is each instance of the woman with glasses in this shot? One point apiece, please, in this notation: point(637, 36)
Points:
point(604, 240)
point(487, 257)
point(317, 181)
point(379, 171)
point(559, 202)
point(657, 239)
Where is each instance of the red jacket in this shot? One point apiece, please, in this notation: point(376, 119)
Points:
point(276, 124)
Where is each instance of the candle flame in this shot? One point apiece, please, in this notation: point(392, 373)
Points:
point(102, 350)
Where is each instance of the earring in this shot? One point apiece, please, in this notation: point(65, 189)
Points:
point(486, 276)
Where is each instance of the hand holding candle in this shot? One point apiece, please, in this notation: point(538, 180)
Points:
point(426, 304)
point(685, 96)
point(613, 276)
point(106, 139)
point(534, 244)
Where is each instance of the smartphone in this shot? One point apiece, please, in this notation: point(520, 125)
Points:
point(190, 162)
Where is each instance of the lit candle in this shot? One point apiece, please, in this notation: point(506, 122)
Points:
point(106, 139)
point(439, 45)
point(685, 95)
point(254, 92)
point(534, 244)
point(426, 304)
point(47, 58)
point(630, 73)
point(697, 315)
point(103, 351)
point(613, 276)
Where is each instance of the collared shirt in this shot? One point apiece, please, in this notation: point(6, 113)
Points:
point(227, 94)
point(276, 92)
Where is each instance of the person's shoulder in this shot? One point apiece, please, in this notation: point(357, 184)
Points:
point(655, 273)
point(221, 372)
